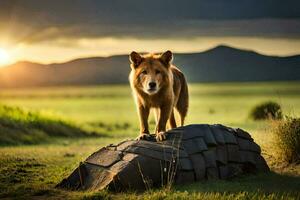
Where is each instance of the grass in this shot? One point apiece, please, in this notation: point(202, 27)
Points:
point(19, 126)
point(31, 171)
point(210, 103)
point(287, 133)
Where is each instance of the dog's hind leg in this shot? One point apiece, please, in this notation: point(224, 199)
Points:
point(172, 120)
point(183, 102)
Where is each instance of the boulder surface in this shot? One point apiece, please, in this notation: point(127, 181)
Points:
point(190, 153)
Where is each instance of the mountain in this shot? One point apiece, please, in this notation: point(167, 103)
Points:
point(220, 64)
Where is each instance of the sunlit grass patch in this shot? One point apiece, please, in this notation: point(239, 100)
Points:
point(20, 126)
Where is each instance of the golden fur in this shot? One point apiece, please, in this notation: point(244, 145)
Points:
point(159, 85)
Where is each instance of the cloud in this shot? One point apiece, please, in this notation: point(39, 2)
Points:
point(271, 28)
point(48, 52)
point(34, 21)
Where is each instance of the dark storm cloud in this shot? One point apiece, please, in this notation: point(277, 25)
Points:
point(38, 20)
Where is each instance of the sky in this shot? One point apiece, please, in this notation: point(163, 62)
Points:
point(56, 31)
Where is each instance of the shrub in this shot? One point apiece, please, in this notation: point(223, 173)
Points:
point(287, 135)
point(266, 110)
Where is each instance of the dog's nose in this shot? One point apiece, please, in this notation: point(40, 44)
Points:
point(152, 85)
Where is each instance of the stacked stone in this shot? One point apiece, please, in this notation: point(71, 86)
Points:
point(190, 153)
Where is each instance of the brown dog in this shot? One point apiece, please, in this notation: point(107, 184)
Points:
point(158, 84)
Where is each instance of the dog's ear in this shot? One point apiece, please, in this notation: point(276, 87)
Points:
point(166, 57)
point(135, 59)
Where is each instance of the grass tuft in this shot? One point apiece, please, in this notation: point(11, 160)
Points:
point(287, 135)
point(101, 195)
point(266, 110)
point(19, 126)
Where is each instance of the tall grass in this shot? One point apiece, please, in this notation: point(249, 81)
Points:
point(287, 134)
point(20, 126)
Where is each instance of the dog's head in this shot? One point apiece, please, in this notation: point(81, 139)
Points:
point(150, 72)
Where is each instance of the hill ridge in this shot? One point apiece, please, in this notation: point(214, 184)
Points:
point(219, 64)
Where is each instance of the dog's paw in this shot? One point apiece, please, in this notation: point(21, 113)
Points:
point(143, 136)
point(161, 136)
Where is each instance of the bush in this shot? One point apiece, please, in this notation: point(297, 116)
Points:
point(266, 110)
point(287, 135)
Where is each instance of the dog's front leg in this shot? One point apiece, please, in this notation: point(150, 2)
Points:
point(164, 115)
point(143, 115)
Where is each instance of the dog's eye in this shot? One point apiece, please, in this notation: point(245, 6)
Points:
point(157, 71)
point(144, 72)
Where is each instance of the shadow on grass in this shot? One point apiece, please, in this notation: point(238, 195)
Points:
point(267, 183)
point(269, 186)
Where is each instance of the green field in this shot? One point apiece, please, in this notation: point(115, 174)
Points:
point(31, 171)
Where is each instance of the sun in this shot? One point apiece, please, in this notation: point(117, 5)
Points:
point(4, 57)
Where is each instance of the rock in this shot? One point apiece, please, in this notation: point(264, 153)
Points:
point(190, 153)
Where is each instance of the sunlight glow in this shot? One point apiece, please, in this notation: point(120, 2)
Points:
point(4, 57)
